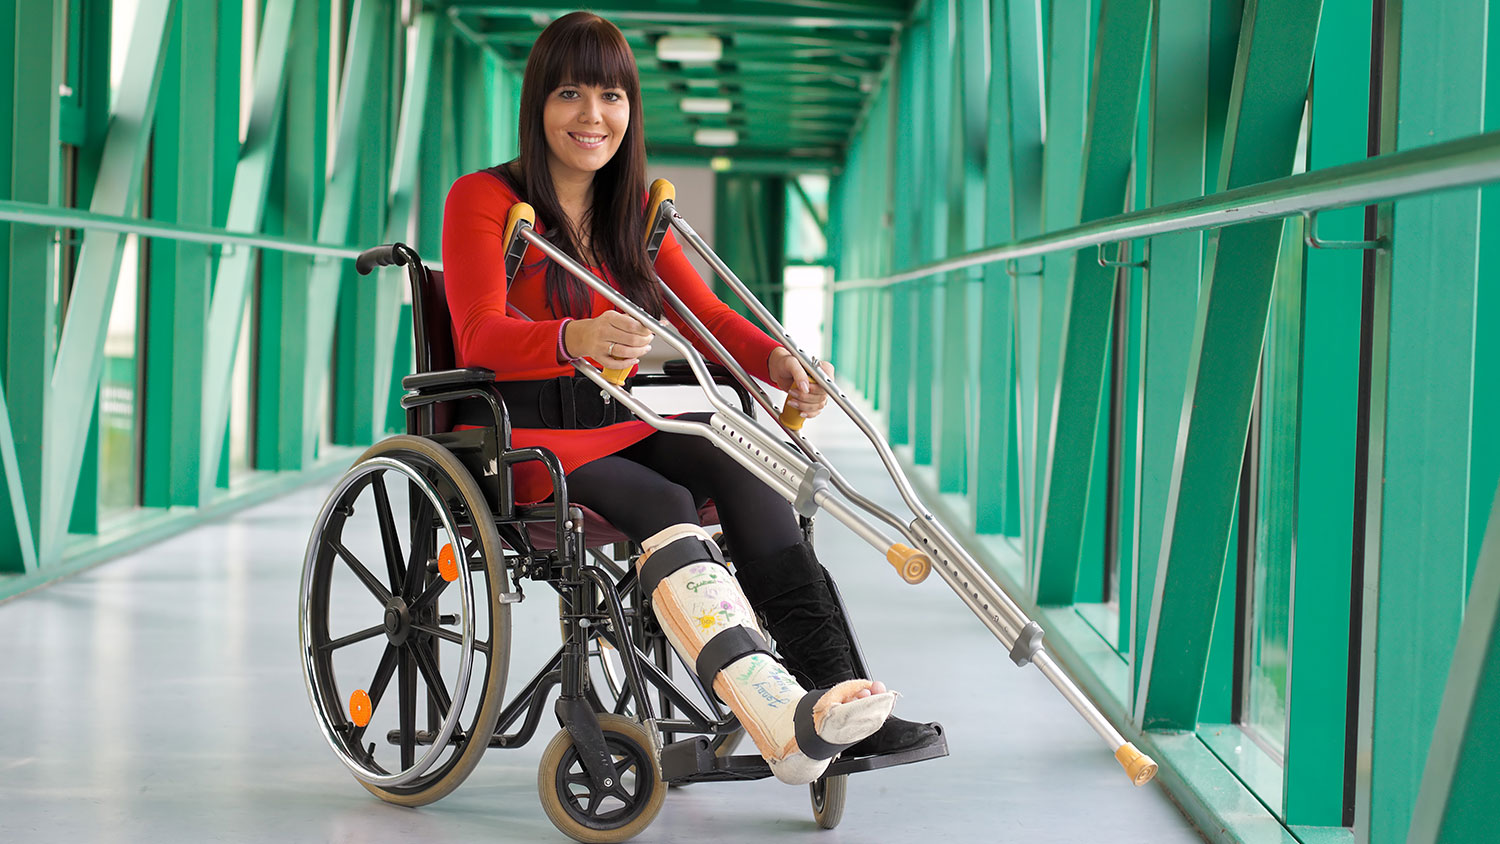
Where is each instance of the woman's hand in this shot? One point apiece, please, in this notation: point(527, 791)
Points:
point(613, 339)
point(802, 392)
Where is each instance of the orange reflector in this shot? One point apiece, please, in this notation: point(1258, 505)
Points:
point(447, 564)
point(359, 708)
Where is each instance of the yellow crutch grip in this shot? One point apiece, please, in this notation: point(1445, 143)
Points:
point(518, 212)
point(792, 417)
point(1137, 764)
point(616, 376)
point(661, 191)
point(911, 564)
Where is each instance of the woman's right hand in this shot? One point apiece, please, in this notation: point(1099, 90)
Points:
point(614, 339)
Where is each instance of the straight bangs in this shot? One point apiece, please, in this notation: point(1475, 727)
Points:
point(594, 53)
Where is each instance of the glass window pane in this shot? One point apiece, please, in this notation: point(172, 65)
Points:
point(1265, 709)
point(118, 467)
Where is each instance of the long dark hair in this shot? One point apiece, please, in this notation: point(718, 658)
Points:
point(586, 49)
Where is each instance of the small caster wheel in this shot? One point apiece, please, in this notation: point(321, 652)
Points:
point(568, 794)
point(828, 795)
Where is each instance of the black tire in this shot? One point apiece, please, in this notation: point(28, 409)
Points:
point(568, 796)
point(463, 671)
point(828, 795)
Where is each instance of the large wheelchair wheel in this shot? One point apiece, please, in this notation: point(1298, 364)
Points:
point(403, 583)
point(622, 811)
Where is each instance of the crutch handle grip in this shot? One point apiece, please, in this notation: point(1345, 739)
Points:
point(616, 376)
point(518, 212)
point(792, 418)
point(661, 191)
point(911, 564)
point(1137, 764)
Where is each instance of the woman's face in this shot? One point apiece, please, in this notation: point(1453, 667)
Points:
point(584, 126)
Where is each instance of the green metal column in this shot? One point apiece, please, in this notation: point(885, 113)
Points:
point(1456, 801)
point(30, 163)
point(281, 426)
point(178, 287)
point(1114, 97)
point(1329, 395)
point(1070, 30)
point(1416, 542)
point(990, 465)
point(908, 210)
point(1270, 91)
point(932, 196)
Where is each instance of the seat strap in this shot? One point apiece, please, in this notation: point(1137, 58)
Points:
point(725, 647)
point(673, 556)
point(809, 742)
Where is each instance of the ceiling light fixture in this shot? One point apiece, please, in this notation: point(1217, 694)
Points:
point(706, 105)
point(716, 137)
point(689, 48)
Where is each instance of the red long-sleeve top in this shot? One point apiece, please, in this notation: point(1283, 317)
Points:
point(486, 334)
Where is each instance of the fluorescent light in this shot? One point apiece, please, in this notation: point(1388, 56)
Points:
point(689, 48)
point(716, 137)
point(720, 163)
point(706, 105)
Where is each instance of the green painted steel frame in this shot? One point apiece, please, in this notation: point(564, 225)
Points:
point(1069, 478)
point(1416, 519)
point(1270, 90)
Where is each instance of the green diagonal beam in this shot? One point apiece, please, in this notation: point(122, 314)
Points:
point(1265, 117)
point(1456, 799)
point(334, 225)
point(80, 355)
point(247, 204)
point(1114, 97)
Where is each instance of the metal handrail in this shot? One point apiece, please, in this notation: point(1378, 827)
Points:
point(36, 214)
point(1467, 162)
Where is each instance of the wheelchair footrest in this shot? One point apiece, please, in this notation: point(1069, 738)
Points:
point(693, 760)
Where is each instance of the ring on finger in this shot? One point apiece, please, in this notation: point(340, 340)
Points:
point(610, 352)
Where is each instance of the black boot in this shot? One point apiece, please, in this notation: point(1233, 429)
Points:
point(789, 589)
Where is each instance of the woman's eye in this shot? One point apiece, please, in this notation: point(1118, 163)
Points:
point(613, 96)
point(567, 95)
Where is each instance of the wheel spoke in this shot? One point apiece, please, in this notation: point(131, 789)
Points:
point(434, 589)
point(375, 586)
point(428, 666)
point(388, 536)
point(449, 636)
point(367, 633)
point(378, 685)
point(406, 684)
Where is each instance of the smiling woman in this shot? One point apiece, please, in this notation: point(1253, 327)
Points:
point(582, 167)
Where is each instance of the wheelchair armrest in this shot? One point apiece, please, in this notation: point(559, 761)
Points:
point(677, 372)
point(447, 379)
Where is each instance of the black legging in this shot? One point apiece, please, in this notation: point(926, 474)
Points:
point(662, 481)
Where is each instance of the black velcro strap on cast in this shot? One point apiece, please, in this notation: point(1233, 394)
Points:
point(725, 647)
point(673, 556)
point(809, 742)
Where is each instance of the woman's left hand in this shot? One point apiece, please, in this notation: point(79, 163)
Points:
point(803, 392)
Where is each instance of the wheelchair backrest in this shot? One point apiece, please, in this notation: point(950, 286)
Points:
point(432, 332)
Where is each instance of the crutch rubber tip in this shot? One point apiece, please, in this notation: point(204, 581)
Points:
point(518, 212)
point(911, 564)
point(792, 417)
point(1137, 764)
point(616, 376)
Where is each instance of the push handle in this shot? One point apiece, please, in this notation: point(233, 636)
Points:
point(911, 564)
point(380, 256)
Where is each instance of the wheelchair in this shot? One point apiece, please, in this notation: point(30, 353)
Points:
point(424, 536)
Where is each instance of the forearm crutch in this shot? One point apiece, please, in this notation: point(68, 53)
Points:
point(799, 473)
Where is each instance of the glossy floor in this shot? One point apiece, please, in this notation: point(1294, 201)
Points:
point(158, 698)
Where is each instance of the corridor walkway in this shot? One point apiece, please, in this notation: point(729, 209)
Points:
point(158, 698)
